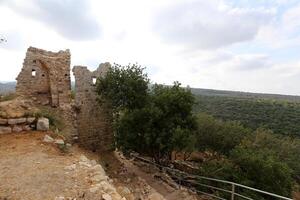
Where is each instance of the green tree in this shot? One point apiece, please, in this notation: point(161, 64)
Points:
point(125, 87)
point(217, 135)
point(153, 121)
point(259, 169)
point(284, 148)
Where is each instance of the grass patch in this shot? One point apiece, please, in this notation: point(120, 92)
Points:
point(7, 97)
point(55, 121)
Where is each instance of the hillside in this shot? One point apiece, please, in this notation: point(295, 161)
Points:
point(7, 87)
point(248, 95)
point(280, 113)
point(280, 116)
point(11, 87)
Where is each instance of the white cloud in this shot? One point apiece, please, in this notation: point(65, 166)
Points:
point(128, 36)
point(209, 24)
point(71, 19)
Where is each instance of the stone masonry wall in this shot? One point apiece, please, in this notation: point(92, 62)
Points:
point(17, 125)
point(93, 120)
point(45, 77)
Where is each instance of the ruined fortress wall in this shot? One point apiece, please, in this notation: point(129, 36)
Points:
point(93, 120)
point(45, 76)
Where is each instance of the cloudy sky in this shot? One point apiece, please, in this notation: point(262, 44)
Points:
point(244, 45)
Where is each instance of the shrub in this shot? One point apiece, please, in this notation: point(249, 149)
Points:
point(217, 135)
point(284, 148)
point(152, 121)
point(261, 170)
point(55, 121)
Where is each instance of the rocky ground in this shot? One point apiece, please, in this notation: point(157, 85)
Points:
point(32, 169)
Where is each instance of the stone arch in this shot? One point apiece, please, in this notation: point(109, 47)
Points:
point(42, 82)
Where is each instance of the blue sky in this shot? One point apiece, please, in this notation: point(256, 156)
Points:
point(243, 45)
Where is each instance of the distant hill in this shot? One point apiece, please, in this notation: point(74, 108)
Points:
point(280, 113)
point(7, 87)
point(11, 87)
point(226, 93)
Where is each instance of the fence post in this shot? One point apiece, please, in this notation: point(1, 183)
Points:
point(232, 191)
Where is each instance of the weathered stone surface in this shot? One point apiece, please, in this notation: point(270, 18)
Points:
point(30, 120)
point(4, 129)
point(125, 192)
point(83, 158)
point(42, 124)
point(155, 196)
point(93, 121)
point(59, 142)
point(99, 178)
point(70, 167)
point(16, 121)
point(106, 197)
point(94, 189)
point(17, 129)
point(26, 128)
point(3, 121)
point(45, 76)
point(48, 139)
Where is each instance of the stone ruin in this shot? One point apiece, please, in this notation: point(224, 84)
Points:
point(45, 78)
point(92, 119)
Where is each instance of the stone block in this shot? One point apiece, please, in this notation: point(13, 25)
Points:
point(5, 129)
point(30, 120)
point(27, 128)
point(59, 142)
point(48, 139)
point(42, 124)
point(17, 129)
point(3, 121)
point(16, 121)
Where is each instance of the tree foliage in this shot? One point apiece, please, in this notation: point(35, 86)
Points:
point(152, 120)
point(125, 87)
point(282, 117)
point(156, 120)
point(259, 159)
point(217, 135)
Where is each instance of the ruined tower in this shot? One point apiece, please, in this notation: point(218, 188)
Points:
point(93, 120)
point(45, 77)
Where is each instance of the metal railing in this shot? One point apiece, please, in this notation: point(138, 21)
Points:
point(197, 182)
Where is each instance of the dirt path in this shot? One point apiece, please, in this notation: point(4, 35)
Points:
point(140, 179)
point(33, 170)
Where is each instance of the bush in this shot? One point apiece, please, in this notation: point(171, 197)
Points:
point(284, 148)
point(55, 121)
point(217, 135)
point(125, 87)
point(152, 121)
point(261, 170)
point(163, 125)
